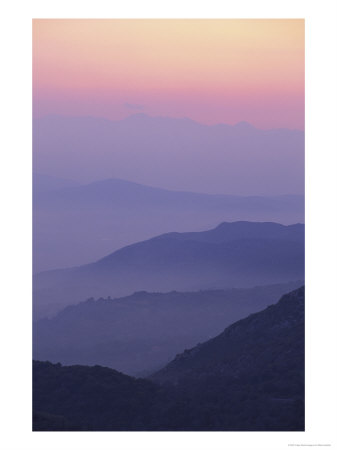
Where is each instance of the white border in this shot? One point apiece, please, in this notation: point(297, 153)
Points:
point(321, 220)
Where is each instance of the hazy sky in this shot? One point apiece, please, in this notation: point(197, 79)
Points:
point(212, 71)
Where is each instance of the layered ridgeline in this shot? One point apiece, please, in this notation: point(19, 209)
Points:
point(238, 254)
point(249, 378)
point(76, 224)
point(143, 332)
point(172, 153)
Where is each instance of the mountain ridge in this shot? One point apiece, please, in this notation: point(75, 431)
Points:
point(141, 115)
point(252, 254)
point(117, 213)
point(142, 332)
point(219, 355)
point(262, 391)
point(229, 156)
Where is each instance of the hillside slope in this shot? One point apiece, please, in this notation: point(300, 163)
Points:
point(238, 254)
point(143, 332)
point(270, 340)
point(77, 224)
point(249, 378)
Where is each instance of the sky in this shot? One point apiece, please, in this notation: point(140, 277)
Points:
point(210, 70)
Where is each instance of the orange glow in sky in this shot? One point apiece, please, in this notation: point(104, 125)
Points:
point(211, 70)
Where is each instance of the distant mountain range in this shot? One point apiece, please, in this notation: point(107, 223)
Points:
point(75, 224)
point(238, 254)
point(143, 332)
point(248, 378)
point(172, 153)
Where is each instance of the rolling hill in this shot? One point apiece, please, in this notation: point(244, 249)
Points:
point(269, 340)
point(248, 378)
point(143, 332)
point(238, 254)
point(75, 224)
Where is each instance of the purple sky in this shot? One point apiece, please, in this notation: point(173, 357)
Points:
point(177, 154)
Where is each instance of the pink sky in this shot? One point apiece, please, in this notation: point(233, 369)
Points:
point(221, 70)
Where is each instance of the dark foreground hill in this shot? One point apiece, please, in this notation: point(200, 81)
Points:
point(249, 378)
point(247, 345)
point(143, 332)
point(90, 398)
point(237, 254)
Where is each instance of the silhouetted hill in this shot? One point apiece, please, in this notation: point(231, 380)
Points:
point(76, 224)
point(143, 332)
point(89, 398)
point(271, 340)
point(249, 378)
point(231, 255)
